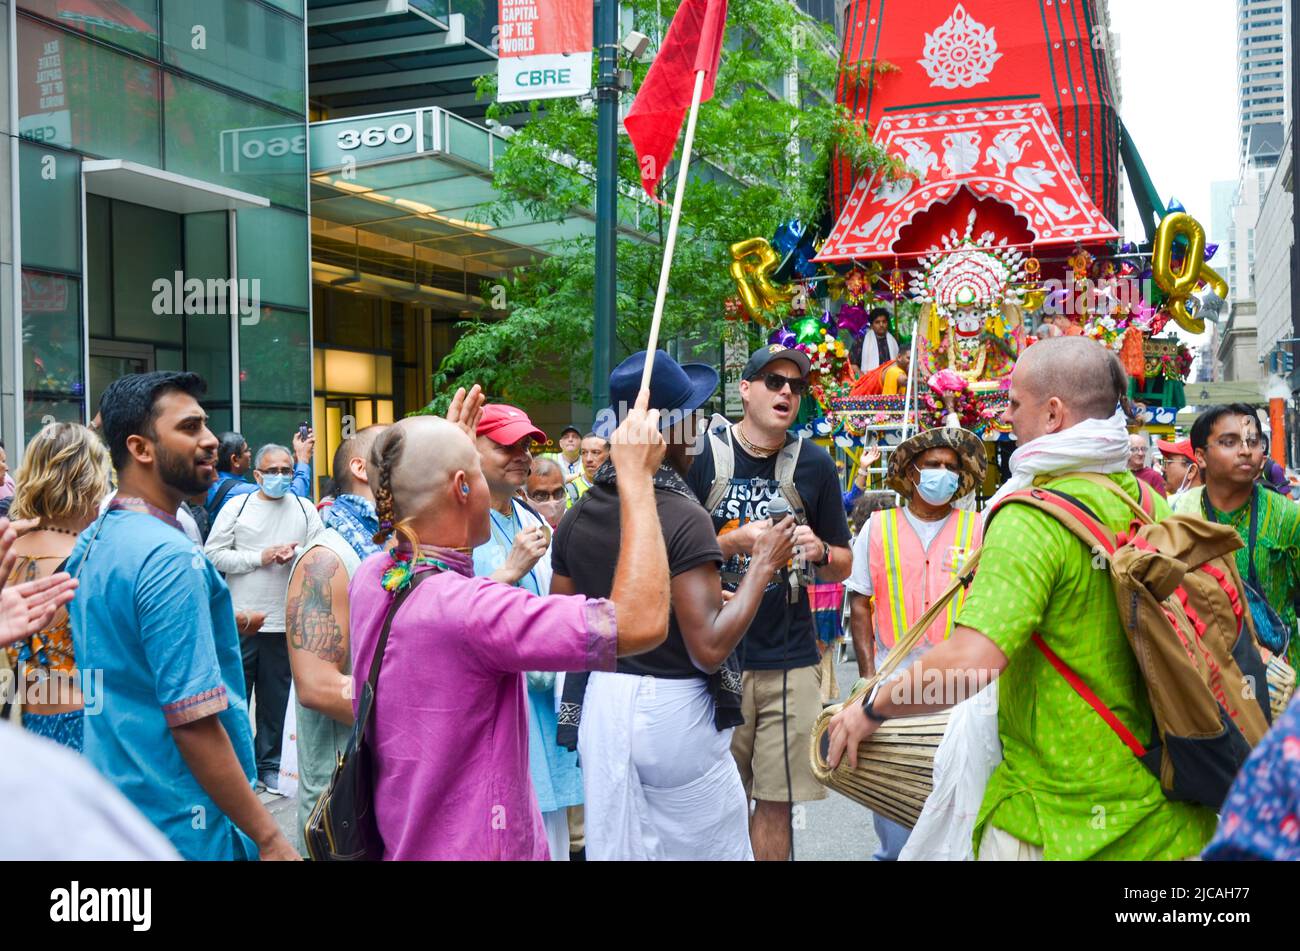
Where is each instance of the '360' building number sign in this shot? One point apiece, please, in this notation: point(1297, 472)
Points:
point(399, 133)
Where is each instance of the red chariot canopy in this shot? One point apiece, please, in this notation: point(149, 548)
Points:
point(959, 60)
point(1005, 160)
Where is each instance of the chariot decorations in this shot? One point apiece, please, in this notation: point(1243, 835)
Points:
point(971, 319)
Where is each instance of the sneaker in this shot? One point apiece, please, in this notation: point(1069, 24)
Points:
point(270, 782)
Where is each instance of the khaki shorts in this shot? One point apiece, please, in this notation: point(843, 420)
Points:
point(757, 744)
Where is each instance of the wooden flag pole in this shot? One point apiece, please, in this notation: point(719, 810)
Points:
point(671, 242)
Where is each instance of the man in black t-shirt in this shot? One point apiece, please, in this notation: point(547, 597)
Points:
point(781, 696)
point(655, 737)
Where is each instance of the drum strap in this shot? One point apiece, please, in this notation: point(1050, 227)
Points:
point(904, 644)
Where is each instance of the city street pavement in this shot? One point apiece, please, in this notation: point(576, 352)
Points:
point(834, 829)
point(285, 811)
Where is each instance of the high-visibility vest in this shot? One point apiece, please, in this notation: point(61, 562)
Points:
point(906, 578)
point(575, 490)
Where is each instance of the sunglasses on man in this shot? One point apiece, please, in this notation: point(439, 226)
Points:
point(776, 383)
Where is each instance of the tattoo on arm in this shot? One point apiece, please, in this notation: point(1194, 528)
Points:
point(311, 622)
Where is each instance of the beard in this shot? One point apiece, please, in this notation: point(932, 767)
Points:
point(181, 472)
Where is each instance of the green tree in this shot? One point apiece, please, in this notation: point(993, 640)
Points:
point(758, 160)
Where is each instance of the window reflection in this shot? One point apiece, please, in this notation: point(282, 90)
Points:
point(53, 383)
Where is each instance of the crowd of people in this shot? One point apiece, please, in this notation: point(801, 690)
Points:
point(612, 652)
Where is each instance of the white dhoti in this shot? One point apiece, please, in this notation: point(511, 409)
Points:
point(557, 834)
point(659, 780)
point(967, 755)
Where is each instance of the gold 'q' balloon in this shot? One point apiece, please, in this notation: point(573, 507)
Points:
point(754, 278)
point(1179, 284)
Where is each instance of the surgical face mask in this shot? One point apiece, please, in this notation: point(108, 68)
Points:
point(937, 486)
point(551, 511)
point(276, 485)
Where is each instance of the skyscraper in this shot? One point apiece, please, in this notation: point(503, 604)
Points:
point(1261, 78)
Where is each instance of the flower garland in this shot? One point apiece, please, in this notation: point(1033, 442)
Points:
point(1177, 365)
point(974, 411)
point(1106, 330)
point(830, 373)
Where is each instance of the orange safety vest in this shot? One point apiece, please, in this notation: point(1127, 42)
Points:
point(906, 578)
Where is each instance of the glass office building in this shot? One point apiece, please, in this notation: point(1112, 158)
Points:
point(155, 207)
point(165, 204)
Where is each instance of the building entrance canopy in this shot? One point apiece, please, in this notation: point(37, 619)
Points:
point(402, 201)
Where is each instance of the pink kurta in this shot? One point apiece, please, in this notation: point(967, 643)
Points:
point(449, 729)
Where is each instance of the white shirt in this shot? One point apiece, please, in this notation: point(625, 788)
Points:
point(244, 527)
point(188, 525)
point(871, 350)
point(860, 580)
point(95, 822)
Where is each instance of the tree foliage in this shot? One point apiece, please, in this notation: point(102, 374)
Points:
point(759, 160)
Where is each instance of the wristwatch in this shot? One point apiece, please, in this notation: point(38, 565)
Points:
point(826, 556)
point(869, 709)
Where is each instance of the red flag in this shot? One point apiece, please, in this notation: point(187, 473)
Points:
point(693, 43)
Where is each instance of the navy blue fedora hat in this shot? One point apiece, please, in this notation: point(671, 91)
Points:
point(673, 386)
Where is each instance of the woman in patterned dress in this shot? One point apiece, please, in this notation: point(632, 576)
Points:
point(62, 480)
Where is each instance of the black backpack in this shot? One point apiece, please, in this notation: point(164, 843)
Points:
point(342, 826)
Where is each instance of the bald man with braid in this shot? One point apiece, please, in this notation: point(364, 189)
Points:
point(449, 732)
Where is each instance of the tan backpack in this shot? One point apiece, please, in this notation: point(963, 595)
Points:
point(1179, 597)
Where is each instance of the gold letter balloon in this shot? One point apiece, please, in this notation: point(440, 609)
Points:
point(754, 277)
point(1179, 284)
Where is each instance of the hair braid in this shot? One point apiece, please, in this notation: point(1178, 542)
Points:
point(384, 454)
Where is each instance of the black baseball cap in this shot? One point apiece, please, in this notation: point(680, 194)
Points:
point(570, 429)
point(775, 351)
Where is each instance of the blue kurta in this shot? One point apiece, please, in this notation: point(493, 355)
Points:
point(554, 771)
point(154, 615)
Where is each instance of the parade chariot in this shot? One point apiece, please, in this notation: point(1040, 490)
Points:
point(993, 223)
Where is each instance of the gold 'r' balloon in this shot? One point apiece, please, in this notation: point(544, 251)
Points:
point(1179, 284)
point(754, 278)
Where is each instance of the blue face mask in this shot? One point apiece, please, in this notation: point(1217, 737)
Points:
point(937, 486)
point(276, 485)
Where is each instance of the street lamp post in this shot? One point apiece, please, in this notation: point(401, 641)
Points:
point(607, 89)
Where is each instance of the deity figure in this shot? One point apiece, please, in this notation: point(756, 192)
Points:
point(971, 317)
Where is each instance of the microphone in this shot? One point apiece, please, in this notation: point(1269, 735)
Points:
point(778, 509)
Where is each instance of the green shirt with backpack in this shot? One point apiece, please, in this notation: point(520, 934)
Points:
point(1067, 782)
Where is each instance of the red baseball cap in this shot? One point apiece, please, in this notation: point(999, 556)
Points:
point(1183, 448)
point(506, 425)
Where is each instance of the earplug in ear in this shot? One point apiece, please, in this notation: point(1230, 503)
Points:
point(464, 490)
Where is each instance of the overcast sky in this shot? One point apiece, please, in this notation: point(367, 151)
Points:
point(1171, 52)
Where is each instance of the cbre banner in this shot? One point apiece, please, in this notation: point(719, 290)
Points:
point(544, 48)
